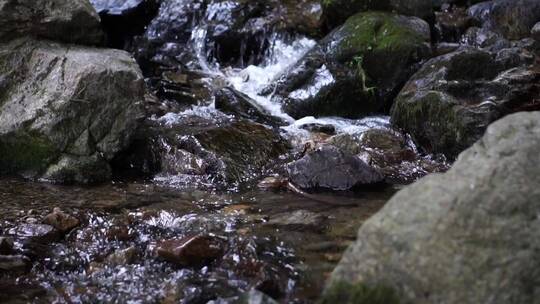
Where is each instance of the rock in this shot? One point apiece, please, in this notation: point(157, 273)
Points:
point(300, 220)
point(66, 111)
point(39, 233)
point(233, 102)
point(72, 21)
point(6, 245)
point(355, 70)
point(451, 237)
point(122, 257)
point(337, 11)
point(191, 251)
point(330, 168)
point(203, 150)
point(235, 33)
point(391, 153)
point(451, 23)
point(447, 105)
point(320, 128)
point(255, 297)
point(63, 222)
point(535, 32)
point(14, 263)
point(123, 19)
point(511, 18)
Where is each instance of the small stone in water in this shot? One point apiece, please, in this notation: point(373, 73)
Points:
point(40, 233)
point(14, 263)
point(6, 245)
point(191, 251)
point(61, 221)
point(122, 257)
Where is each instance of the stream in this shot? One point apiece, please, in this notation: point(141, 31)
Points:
point(277, 242)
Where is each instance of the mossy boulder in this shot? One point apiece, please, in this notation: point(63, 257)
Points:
point(73, 21)
point(337, 11)
point(447, 105)
point(466, 236)
point(355, 70)
point(65, 102)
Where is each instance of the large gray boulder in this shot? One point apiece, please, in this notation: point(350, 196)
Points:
point(65, 111)
point(467, 236)
point(73, 21)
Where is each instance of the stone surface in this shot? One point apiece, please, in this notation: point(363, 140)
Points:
point(73, 21)
point(39, 233)
point(330, 168)
point(299, 220)
point(535, 32)
point(65, 111)
point(60, 220)
point(191, 251)
point(6, 245)
point(204, 149)
point(511, 18)
point(356, 70)
point(466, 236)
point(14, 263)
point(449, 102)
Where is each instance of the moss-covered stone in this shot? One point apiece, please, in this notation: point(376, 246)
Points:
point(25, 152)
point(346, 293)
point(357, 69)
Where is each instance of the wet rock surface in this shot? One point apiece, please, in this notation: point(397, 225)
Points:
point(330, 168)
point(512, 19)
point(356, 69)
point(191, 251)
point(66, 110)
point(447, 105)
point(444, 237)
point(71, 21)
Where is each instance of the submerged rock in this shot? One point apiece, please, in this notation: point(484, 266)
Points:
point(191, 251)
point(466, 236)
point(447, 105)
point(355, 70)
point(72, 21)
point(66, 110)
point(38, 233)
point(63, 222)
point(330, 168)
point(14, 263)
point(299, 220)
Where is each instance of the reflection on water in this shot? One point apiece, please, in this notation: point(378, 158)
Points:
point(280, 243)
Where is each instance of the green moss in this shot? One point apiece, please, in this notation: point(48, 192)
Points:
point(347, 293)
point(25, 152)
point(434, 122)
point(377, 31)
